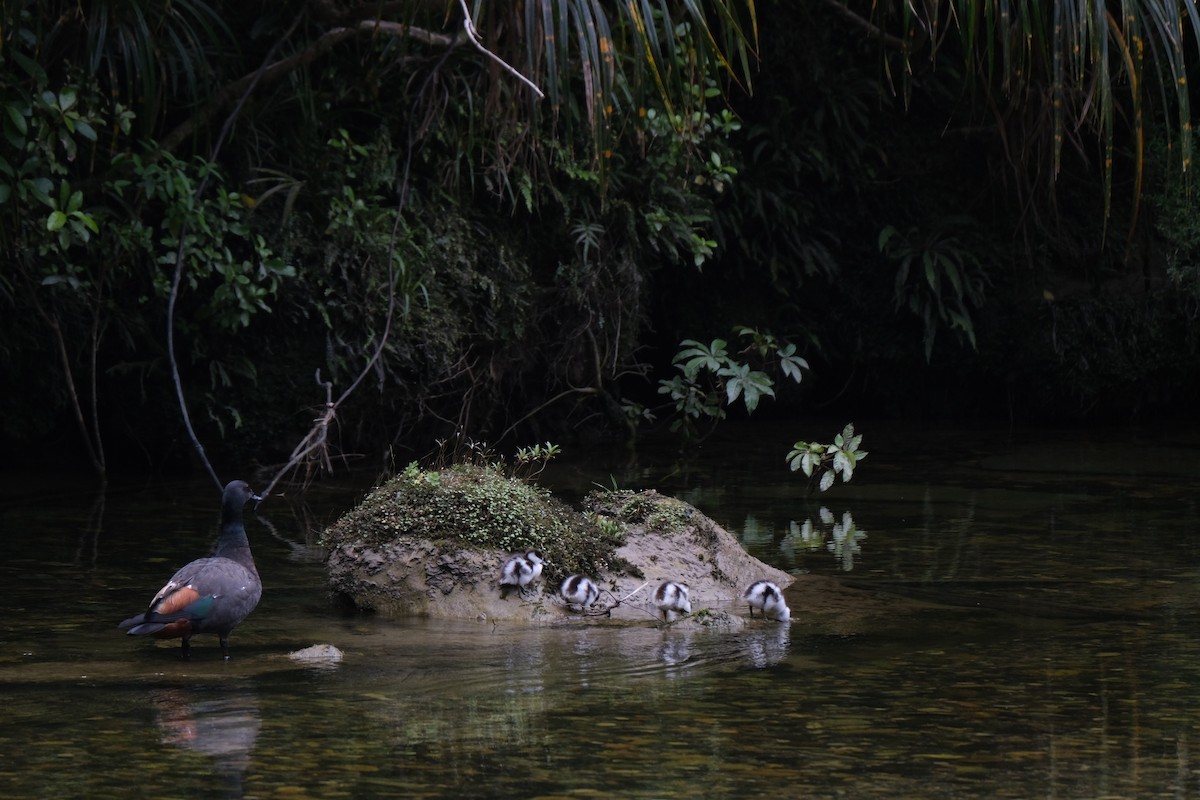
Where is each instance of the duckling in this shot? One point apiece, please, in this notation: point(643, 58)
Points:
point(579, 590)
point(768, 597)
point(672, 596)
point(520, 571)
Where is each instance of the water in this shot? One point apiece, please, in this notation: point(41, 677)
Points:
point(977, 614)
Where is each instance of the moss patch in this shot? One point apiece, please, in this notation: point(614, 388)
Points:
point(654, 511)
point(480, 507)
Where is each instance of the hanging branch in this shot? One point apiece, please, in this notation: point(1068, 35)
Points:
point(95, 446)
point(177, 278)
point(473, 35)
point(315, 443)
point(269, 73)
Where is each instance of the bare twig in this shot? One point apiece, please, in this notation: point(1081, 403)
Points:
point(473, 35)
point(95, 446)
point(547, 404)
point(607, 610)
point(316, 441)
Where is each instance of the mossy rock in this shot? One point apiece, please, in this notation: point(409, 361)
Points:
point(471, 506)
point(432, 543)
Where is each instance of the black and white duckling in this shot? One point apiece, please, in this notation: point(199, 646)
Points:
point(520, 571)
point(579, 590)
point(672, 596)
point(768, 597)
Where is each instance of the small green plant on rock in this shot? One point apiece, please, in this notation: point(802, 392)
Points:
point(527, 463)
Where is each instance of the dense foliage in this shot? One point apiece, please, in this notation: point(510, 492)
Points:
point(291, 188)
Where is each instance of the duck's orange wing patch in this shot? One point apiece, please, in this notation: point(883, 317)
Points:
point(176, 601)
point(175, 630)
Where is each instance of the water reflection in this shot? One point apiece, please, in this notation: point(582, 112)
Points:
point(675, 651)
point(843, 538)
point(224, 729)
point(1012, 628)
point(768, 644)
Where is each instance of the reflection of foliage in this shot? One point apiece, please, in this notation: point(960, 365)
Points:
point(828, 460)
point(842, 537)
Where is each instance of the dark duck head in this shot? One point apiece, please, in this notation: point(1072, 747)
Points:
point(209, 595)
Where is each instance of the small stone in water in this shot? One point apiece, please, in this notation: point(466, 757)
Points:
point(317, 654)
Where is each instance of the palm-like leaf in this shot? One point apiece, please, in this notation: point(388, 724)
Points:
point(621, 54)
point(1087, 64)
point(148, 53)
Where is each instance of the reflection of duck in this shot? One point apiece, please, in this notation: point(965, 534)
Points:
point(767, 645)
point(579, 590)
point(520, 571)
point(672, 596)
point(209, 595)
point(768, 597)
point(224, 729)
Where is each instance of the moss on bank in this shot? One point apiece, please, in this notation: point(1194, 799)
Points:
point(481, 507)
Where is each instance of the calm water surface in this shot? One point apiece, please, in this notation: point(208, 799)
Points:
point(1022, 621)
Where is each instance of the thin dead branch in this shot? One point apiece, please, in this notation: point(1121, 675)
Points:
point(473, 35)
point(270, 73)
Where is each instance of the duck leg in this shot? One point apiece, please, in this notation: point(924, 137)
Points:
point(224, 647)
point(186, 647)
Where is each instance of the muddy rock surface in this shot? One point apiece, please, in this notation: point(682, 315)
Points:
point(653, 538)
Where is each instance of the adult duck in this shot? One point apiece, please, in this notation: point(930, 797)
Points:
point(209, 595)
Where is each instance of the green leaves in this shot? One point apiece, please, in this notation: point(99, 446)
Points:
point(696, 356)
point(712, 378)
point(746, 383)
point(238, 269)
point(627, 55)
point(938, 276)
point(824, 462)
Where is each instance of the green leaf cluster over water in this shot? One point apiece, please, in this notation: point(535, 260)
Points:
point(478, 506)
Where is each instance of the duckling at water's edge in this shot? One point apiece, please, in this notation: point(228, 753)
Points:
point(768, 597)
point(579, 590)
point(672, 596)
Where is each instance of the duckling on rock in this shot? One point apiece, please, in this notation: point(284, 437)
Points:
point(520, 571)
point(579, 590)
point(768, 597)
point(672, 596)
